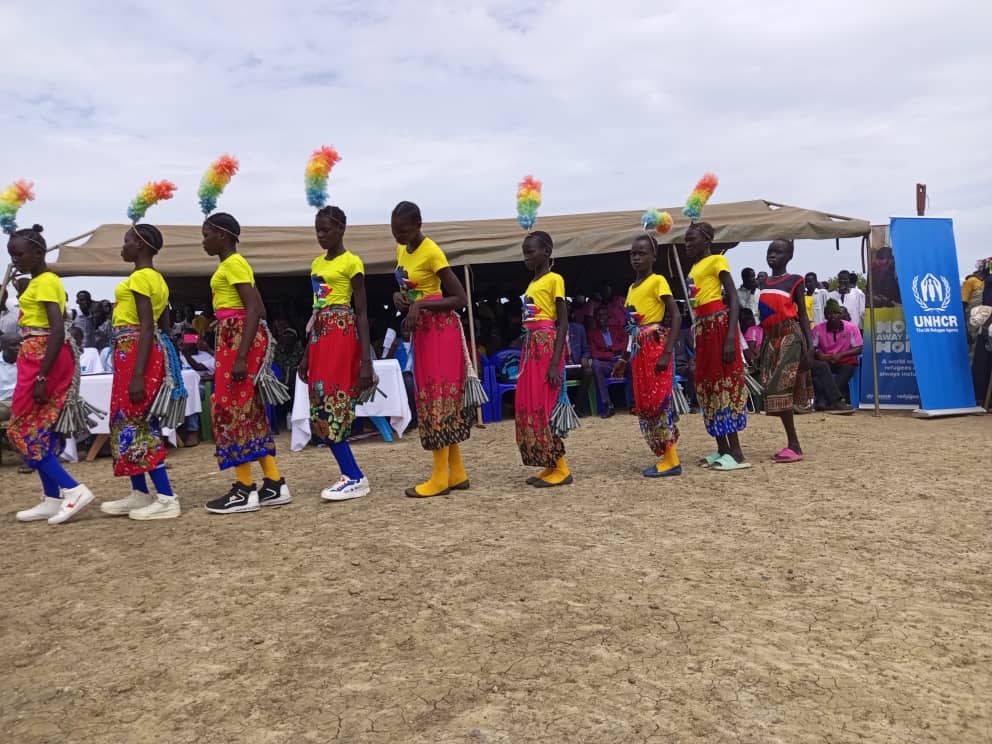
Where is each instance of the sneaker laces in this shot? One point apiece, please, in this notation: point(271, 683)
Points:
point(344, 480)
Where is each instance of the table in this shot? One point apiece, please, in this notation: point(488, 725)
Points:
point(95, 390)
point(393, 404)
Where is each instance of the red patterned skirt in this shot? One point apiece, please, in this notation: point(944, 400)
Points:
point(782, 352)
point(535, 399)
point(720, 388)
point(241, 429)
point(135, 442)
point(31, 428)
point(653, 402)
point(439, 372)
point(334, 357)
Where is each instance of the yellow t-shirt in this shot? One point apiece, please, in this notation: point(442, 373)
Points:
point(416, 272)
point(809, 310)
point(704, 280)
point(540, 300)
point(644, 304)
point(331, 280)
point(970, 285)
point(46, 287)
point(233, 270)
point(147, 282)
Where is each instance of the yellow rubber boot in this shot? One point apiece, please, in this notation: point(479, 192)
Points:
point(669, 461)
point(560, 476)
point(457, 477)
point(437, 485)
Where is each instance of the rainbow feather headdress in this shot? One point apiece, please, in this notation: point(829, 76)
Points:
point(152, 193)
point(700, 195)
point(315, 178)
point(654, 219)
point(215, 180)
point(12, 199)
point(528, 200)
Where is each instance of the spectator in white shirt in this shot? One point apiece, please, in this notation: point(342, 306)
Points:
point(820, 297)
point(196, 356)
point(9, 314)
point(747, 293)
point(9, 346)
point(851, 298)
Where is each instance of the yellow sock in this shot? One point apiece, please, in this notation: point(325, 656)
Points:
point(243, 474)
point(560, 473)
point(438, 481)
point(545, 473)
point(456, 468)
point(269, 469)
point(669, 461)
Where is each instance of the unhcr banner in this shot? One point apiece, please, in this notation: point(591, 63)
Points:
point(926, 255)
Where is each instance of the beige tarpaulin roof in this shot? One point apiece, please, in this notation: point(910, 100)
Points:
point(288, 251)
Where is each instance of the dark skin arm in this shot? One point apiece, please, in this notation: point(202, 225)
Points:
point(730, 291)
point(799, 297)
point(254, 311)
point(561, 330)
point(671, 311)
point(56, 340)
point(362, 320)
point(454, 299)
point(136, 387)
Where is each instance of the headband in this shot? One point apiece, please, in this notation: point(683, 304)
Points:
point(151, 193)
point(213, 224)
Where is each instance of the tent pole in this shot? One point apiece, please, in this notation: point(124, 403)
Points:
point(471, 331)
point(866, 261)
point(685, 287)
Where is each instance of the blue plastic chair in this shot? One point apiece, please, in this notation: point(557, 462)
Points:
point(489, 385)
point(500, 388)
point(854, 386)
point(382, 424)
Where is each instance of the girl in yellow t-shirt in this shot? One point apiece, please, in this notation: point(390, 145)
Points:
point(337, 362)
point(46, 368)
point(431, 296)
point(140, 367)
point(241, 428)
point(649, 302)
point(720, 384)
point(539, 385)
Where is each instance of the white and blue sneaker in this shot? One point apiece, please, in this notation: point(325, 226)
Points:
point(274, 493)
point(346, 488)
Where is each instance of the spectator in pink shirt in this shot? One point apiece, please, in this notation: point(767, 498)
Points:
point(613, 303)
point(838, 343)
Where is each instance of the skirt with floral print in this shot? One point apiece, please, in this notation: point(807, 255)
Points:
point(720, 388)
point(31, 428)
point(653, 402)
point(439, 373)
point(241, 429)
point(786, 385)
point(135, 442)
point(334, 356)
point(534, 401)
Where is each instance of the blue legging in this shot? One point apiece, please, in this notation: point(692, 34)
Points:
point(53, 476)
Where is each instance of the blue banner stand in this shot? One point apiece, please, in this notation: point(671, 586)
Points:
point(927, 270)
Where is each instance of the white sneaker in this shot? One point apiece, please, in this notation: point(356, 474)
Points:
point(346, 488)
point(48, 508)
point(163, 507)
point(120, 507)
point(74, 500)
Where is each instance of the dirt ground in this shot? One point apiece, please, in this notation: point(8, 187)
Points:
point(843, 599)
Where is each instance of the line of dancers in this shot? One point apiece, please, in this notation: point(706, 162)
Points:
point(337, 365)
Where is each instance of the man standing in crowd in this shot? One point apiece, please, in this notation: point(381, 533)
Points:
point(83, 321)
point(747, 293)
point(9, 313)
point(838, 344)
point(9, 346)
point(101, 330)
point(606, 342)
point(850, 297)
point(816, 299)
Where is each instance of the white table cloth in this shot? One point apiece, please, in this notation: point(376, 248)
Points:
point(392, 405)
point(95, 390)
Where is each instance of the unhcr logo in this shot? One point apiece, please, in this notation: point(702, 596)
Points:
point(932, 294)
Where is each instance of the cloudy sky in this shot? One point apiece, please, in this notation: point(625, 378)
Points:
point(839, 105)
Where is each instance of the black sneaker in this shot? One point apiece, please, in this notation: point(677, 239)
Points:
point(240, 498)
point(274, 493)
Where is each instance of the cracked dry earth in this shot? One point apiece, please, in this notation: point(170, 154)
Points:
point(842, 599)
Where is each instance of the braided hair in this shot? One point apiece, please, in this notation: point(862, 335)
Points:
point(225, 223)
point(32, 234)
point(334, 214)
point(409, 211)
point(150, 235)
